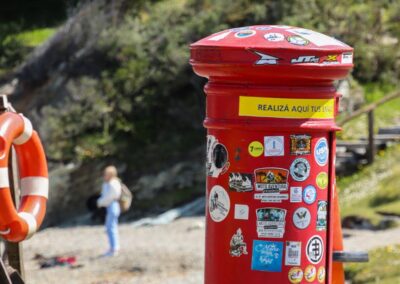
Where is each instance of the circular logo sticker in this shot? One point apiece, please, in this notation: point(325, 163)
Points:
point(321, 152)
point(218, 203)
point(245, 33)
point(256, 149)
point(295, 275)
point(315, 249)
point(297, 40)
point(321, 274)
point(301, 218)
point(274, 36)
point(300, 169)
point(309, 194)
point(322, 180)
point(310, 273)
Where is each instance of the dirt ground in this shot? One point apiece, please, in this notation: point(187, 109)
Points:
point(167, 254)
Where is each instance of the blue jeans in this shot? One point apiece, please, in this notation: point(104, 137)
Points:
point(113, 212)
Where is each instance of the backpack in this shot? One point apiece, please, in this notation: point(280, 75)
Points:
point(125, 200)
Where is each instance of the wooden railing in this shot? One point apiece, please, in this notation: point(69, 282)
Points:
point(369, 110)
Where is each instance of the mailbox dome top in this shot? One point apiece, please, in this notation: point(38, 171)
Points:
point(273, 37)
point(284, 51)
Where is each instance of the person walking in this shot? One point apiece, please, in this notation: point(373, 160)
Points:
point(110, 195)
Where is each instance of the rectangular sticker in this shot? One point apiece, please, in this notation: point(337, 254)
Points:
point(267, 256)
point(347, 58)
point(316, 38)
point(322, 214)
point(274, 146)
point(271, 179)
point(241, 212)
point(271, 197)
point(293, 253)
point(271, 222)
point(296, 194)
point(286, 108)
point(240, 182)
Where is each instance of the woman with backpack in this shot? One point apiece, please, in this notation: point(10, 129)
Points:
point(110, 199)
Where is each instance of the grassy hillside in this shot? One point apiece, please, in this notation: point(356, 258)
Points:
point(374, 189)
point(383, 267)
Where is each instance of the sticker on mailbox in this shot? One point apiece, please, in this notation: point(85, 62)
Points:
point(285, 107)
point(219, 203)
point(271, 179)
point(271, 222)
point(267, 256)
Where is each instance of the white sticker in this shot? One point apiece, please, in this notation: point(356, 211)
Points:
point(240, 182)
point(271, 197)
point(266, 59)
point(347, 58)
point(293, 253)
point(274, 146)
point(271, 222)
point(296, 194)
point(317, 38)
point(220, 36)
point(309, 194)
point(300, 169)
point(241, 212)
point(237, 245)
point(315, 249)
point(301, 218)
point(217, 157)
point(274, 36)
point(219, 203)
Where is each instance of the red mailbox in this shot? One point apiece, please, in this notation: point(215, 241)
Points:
point(271, 106)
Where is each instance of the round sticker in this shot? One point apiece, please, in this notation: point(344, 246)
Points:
point(309, 194)
point(295, 275)
point(315, 249)
point(256, 149)
point(321, 152)
point(310, 273)
point(218, 203)
point(245, 33)
point(300, 169)
point(297, 40)
point(301, 218)
point(321, 274)
point(274, 36)
point(322, 180)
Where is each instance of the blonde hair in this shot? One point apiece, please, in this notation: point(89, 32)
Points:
point(112, 171)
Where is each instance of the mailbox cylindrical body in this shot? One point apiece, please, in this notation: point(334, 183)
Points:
point(270, 115)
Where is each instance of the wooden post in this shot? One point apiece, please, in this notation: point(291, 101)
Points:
point(371, 142)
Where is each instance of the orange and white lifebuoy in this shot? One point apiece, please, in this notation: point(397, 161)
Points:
point(19, 224)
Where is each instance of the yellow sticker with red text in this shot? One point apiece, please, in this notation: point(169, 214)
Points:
point(286, 107)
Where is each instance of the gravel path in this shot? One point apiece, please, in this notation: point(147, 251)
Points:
point(168, 254)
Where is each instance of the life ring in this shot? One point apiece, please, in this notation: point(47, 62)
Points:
point(18, 225)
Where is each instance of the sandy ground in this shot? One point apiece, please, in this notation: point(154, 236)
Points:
point(168, 254)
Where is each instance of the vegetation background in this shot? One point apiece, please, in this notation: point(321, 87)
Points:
point(109, 81)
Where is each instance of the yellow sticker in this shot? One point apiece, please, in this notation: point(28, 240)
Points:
point(295, 275)
point(310, 273)
point(256, 149)
point(321, 274)
point(322, 180)
point(286, 108)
